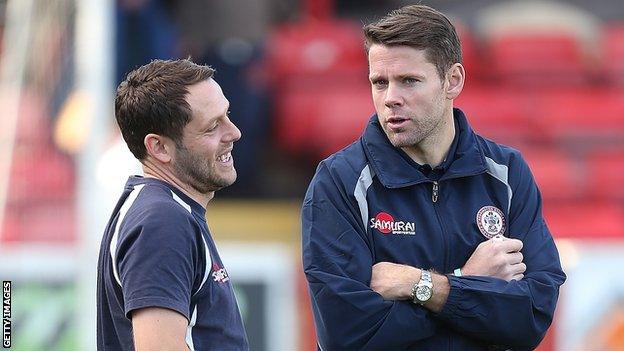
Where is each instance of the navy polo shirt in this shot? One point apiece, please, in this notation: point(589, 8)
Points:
point(157, 252)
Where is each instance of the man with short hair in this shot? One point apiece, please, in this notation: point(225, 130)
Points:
point(422, 235)
point(161, 282)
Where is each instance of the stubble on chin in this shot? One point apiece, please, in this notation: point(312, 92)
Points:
point(403, 138)
point(200, 176)
point(209, 180)
point(412, 137)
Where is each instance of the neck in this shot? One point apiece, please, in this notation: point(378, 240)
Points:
point(154, 170)
point(434, 148)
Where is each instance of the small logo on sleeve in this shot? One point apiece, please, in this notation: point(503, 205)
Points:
point(385, 224)
point(491, 221)
point(219, 274)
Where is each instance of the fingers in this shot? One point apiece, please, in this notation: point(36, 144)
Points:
point(511, 245)
point(516, 270)
point(514, 257)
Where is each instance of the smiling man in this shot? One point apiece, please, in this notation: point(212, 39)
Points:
point(161, 283)
point(422, 235)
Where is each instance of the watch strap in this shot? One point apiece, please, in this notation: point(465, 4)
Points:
point(425, 281)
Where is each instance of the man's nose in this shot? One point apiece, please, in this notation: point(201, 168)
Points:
point(234, 133)
point(393, 96)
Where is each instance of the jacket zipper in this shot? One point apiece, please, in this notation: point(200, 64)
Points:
point(434, 192)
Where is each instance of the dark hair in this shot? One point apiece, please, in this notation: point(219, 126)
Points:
point(420, 27)
point(152, 100)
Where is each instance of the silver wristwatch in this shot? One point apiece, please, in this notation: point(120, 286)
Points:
point(423, 290)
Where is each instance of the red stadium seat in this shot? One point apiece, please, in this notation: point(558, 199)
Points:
point(613, 48)
point(556, 174)
point(586, 220)
point(322, 96)
point(312, 48)
point(606, 174)
point(319, 122)
point(542, 59)
point(500, 114)
point(596, 114)
point(342, 119)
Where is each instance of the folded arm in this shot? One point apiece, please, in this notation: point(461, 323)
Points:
point(338, 262)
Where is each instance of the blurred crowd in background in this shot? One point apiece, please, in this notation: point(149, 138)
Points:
point(296, 74)
point(546, 77)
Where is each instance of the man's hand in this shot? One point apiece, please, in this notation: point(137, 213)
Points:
point(498, 257)
point(394, 281)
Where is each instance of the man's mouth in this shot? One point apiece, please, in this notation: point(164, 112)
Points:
point(396, 123)
point(225, 158)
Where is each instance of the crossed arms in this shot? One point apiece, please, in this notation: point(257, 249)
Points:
point(498, 257)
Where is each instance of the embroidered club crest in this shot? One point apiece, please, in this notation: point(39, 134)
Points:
point(491, 221)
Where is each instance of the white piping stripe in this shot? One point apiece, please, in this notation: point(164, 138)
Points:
point(207, 252)
point(208, 265)
point(364, 182)
point(181, 202)
point(500, 172)
point(122, 213)
point(189, 330)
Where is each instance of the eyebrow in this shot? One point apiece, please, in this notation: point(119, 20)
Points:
point(375, 77)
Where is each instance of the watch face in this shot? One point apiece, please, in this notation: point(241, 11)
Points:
point(423, 293)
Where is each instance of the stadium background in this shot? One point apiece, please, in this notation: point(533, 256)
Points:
point(546, 77)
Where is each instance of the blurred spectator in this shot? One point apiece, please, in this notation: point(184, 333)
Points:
point(145, 31)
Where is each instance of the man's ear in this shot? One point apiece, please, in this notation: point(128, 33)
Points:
point(159, 147)
point(455, 79)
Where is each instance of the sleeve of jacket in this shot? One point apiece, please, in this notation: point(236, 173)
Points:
point(517, 313)
point(337, 260)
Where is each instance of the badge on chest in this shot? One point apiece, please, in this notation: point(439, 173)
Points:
point(491, 221)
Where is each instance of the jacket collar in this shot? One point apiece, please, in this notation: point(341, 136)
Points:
point(395, 169)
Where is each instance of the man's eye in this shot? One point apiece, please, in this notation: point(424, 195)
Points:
point(380, 83)
point(410, 81)
point(213, 128)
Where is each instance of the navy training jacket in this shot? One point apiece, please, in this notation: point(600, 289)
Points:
point(369, 203)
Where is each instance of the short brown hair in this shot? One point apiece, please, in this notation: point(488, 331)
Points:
point(420, 27)
point(152, 99)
